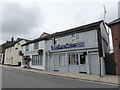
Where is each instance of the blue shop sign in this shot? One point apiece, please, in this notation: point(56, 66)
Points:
point(73, 45)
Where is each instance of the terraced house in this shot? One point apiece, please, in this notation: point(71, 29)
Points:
point(13, 52)
point(77, 50)
point(2, 50)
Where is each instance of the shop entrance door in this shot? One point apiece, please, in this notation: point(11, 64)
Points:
point(82, 63)
point(56, 62)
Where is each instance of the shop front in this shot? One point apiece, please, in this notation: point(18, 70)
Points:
point(76, 61)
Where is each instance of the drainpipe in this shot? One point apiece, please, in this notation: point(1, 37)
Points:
point(100, 47)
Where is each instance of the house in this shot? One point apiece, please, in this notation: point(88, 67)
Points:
point(35, 53)
point(2, 50)
point(115, 28)
point(12, 52)
point(77, 50)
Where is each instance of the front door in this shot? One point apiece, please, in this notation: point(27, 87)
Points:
point(56, 62)
point(94, 63)
point(82, 63)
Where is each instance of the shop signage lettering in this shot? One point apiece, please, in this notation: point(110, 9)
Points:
point(67, 46)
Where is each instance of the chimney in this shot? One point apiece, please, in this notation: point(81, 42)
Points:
point(12, 39)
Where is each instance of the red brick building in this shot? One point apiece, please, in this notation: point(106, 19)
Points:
point(115, 27)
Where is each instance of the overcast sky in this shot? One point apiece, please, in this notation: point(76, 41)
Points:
point(30, 18)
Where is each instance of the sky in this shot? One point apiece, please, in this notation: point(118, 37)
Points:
point(30, 18)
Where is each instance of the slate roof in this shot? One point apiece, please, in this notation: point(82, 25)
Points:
point(4, 46)
point(18, 40)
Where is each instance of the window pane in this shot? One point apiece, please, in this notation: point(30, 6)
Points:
point(32, 59)
point(69, 59)
point(62, 59)
point(82, 59)
point(38, 60)
point(41, 59)
point(73, 59)
point(76, 61)
point(27, 48)
point(36, 45)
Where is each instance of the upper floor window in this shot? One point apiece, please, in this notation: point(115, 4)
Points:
point(75, 37)
point(18, 43)
point(55, 40)
point(36, 45)
point(10, 49)
point(27, 48)
point(16, 48)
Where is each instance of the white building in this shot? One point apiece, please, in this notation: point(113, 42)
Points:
point(32, 49)
point(77, 50)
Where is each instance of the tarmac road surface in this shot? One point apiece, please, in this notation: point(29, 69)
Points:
point(12, 78)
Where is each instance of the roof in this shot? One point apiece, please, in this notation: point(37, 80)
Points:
point(114, 22)
point(77, 29)
point(18, 40)
point(67, 32)
point(4, 46)
point(38, 39)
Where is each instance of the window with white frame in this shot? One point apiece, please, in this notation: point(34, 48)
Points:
point(75, 37)
point(27, 48)
point(10, 49)
point(37, 60)
point(36, 45)
point(62, 59)
point(73, 59)
point(55, 41)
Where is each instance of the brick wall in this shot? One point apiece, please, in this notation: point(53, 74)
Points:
point(116, 44)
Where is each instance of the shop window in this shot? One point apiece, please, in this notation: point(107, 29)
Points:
point(82, 59)
point(73, 59)
point(37, 60)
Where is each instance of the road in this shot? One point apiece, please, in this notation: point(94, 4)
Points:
point(12, 78)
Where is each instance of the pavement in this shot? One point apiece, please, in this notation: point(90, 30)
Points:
point(109, 79)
